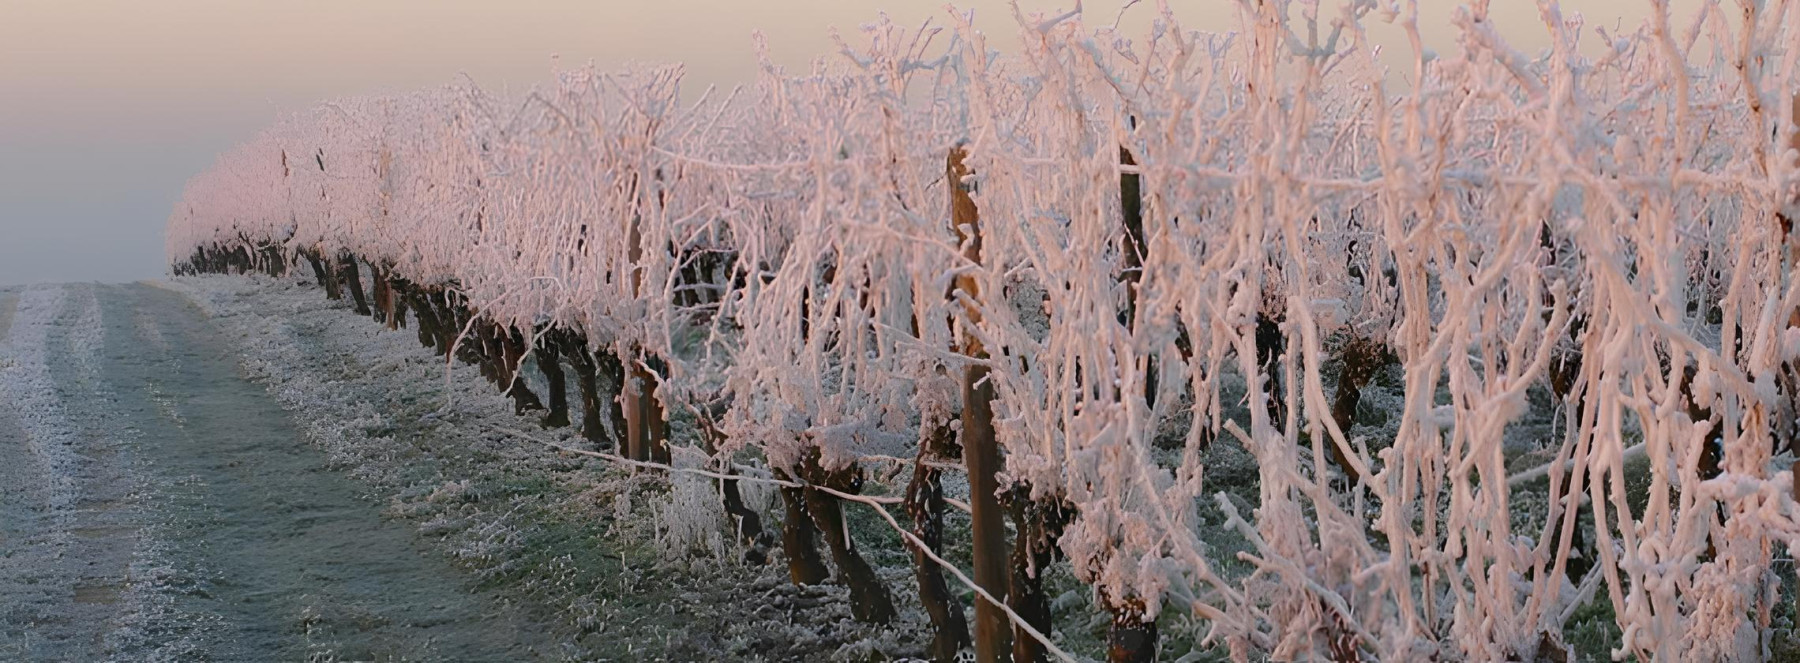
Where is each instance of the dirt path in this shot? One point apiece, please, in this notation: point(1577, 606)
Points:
point(159, 506)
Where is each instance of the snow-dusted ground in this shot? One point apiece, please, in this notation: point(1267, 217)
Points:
point(235, 468)
point(160, 506)
point(566, 557)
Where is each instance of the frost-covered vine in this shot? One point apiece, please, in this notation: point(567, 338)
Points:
point(1606, 230)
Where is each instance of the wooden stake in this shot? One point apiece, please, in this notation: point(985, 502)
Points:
point(981, 454)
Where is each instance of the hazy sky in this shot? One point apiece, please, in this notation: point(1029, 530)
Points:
point(107, 107)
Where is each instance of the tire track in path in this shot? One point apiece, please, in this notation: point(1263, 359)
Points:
point(54, 582)
point(199, 524)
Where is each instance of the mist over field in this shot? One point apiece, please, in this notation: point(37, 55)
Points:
point(108, 106)
point(1286, 330)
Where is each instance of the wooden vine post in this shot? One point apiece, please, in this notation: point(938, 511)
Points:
point(645, 431)
point(1131, 635)
point(1131, 209)
point(981, 454)
point(1790, 414)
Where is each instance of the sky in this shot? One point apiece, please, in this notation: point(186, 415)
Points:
point(107, 107)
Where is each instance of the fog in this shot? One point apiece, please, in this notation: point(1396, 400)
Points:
point(107, 107)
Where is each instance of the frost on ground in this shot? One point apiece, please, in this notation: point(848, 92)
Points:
point(621, 565)
point(71, 493)
point(114, 533)
point(639, 565)
point(160, 507)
